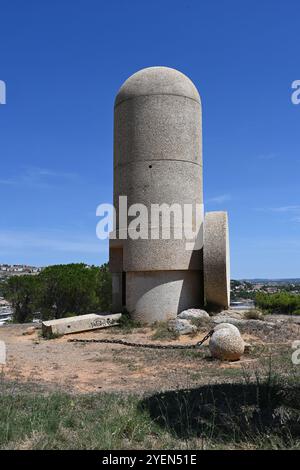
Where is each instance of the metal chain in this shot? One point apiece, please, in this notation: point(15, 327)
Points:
point(144, 345)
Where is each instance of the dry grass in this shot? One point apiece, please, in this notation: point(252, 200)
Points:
point(177, 399)
point(262, 411)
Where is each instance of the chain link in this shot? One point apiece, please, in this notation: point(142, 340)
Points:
point(144, 345)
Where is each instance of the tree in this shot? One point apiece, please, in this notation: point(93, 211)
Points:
point(60, 291)
point(66, 289)
point(281, 302)
point(104, 288)
point(22, 292)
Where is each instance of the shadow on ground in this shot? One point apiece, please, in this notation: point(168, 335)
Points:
point(228, 411)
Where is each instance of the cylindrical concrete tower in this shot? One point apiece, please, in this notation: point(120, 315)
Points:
point(157, 160)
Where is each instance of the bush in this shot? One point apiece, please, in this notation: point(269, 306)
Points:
point(127, 324)
point(162, 332)
point(281, 302)
point(22, 292)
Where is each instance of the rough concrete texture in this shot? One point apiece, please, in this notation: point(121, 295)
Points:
point(216, 260)
point(161, 183)
point(193, 313)
point(168, 183)
point(173, 257)
point(156, 296)
point(229, 326)
point(157, 81)
point(226, 345)
point(115, 258)
point(64, 326)
point(158, 160)
point(181, 326)
point(178, 133)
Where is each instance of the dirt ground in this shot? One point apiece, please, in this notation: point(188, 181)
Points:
point(58, 364)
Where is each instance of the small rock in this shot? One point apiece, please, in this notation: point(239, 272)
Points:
point(182, 326)
point(229, 326)
point(260, 323)
point(193, 313)
point(231, 320)
point(226, 345)
point(248, 348)
point(229, 313)
point(29, 331)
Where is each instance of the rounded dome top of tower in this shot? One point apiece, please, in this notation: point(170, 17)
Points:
point(157, 81)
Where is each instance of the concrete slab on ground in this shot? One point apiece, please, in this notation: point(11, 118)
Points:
point(91, 321)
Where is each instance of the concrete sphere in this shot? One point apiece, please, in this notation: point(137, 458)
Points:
point(158, 160)
point(226, 345)
point(229, 326)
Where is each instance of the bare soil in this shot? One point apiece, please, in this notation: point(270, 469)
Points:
point(58, 364)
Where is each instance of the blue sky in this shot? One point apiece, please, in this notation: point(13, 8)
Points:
point(63, 62)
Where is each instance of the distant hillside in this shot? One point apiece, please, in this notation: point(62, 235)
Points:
point(272, 281)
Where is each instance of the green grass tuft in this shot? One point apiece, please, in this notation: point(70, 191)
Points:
point(163, 333)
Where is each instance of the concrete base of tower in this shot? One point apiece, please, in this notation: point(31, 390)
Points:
point(160, 295)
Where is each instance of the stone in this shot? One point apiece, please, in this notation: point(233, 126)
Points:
point(229, 326)
point(229, 313)
point(92, 321)
point(226, 345)
point(216, 260)
point(241, 322)
point(193, 313)
point(231, 320)
point(181, 326)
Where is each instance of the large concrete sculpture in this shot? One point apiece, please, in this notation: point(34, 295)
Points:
point(158, 161)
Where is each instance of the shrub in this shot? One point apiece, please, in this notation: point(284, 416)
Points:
point(22, 292)
point(162, 332)
point(281, 302)
point(59, 290)
point(126, 323)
